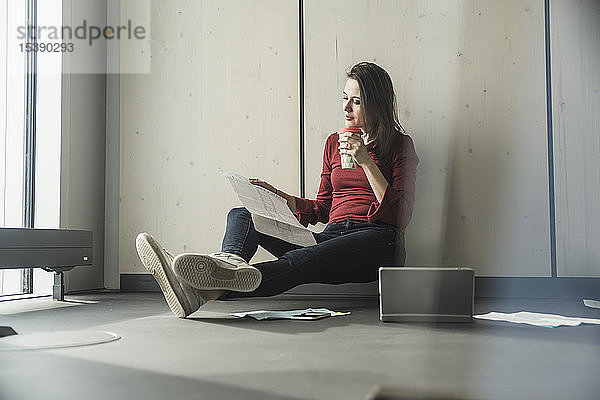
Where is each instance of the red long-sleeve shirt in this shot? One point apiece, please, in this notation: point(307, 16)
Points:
point(346, 193)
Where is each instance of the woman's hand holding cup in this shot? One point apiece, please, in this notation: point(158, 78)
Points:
point(352, 147)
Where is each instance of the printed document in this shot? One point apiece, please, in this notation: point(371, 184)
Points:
point(270, 212)
point(262, 314)
point(591, 303)
point(537, 319)
point(265, 314)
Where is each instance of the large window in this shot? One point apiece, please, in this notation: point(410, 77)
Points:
point(12, 118)
point(28, 115)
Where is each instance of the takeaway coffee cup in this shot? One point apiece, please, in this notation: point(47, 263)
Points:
point(347, 159)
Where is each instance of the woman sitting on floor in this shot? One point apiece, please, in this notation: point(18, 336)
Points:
point(366, 210)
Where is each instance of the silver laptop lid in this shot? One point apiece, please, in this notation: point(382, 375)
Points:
point(439, 294)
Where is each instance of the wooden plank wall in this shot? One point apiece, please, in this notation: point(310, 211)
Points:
point(222, 92)
point(576, 104)
point(470, 80)
point(469, 76)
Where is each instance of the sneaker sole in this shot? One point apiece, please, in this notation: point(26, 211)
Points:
point(148, 252)
point(204, 272)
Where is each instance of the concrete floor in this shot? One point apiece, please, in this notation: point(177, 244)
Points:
point(161, 356)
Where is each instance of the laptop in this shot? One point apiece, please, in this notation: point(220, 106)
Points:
point(424, 294)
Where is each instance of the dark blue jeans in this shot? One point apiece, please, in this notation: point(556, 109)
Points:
point(348, 251)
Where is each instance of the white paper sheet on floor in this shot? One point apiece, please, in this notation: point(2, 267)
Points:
point(263, 314)
point(591, 303)
point(537, 319)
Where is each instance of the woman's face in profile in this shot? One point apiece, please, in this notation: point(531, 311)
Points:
point(352, 114)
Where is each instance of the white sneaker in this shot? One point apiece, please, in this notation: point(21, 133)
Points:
point(217, 271)
point(181, 298)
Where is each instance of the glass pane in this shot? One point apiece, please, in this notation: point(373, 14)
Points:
point(48, 131)
point(12, 106)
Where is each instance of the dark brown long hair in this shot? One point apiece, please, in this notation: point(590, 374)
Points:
point(378, 106)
